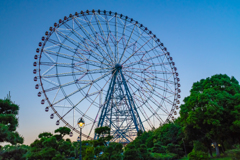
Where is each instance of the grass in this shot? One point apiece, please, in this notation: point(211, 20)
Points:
point(222, 157)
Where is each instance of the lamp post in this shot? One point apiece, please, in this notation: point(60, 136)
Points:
point(81, 124)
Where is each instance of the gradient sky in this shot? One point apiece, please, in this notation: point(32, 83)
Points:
point(202, 36)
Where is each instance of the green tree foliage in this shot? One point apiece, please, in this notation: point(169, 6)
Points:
point(165, 141)
point(199, 152)
point(132, 153)
point(213, 109)
point(45, 134)
point(112, 152)
point(17, 152)
point(168, 139)
point(198, 155)
point(9, 122)
point(62, 132)
point(89, 153)
point(144, 152)
point(105, 150)
point(50, 146)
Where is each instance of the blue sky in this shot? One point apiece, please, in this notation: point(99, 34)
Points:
point(202, 36)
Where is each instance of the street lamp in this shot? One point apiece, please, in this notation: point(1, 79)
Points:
point(81, 124)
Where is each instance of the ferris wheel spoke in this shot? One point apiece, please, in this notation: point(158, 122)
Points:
point(89, 35)
point(70, 65)
point(142, 53)
point(49, 69)
point(99, 109)
point(134, 95)
point(73, 107)
point(98, 94)
point(51, 82)
point(63, 74)
point(109, 31)
point(62, 55)
point(166, 81)
point(50, 58)
point(62, 45)
point(66, 37)
point(95, 120)
point(116, 35)
point(137, 50)
point(163, 98)
point(145, 52)
point(146, 92)
point(103, 34)
point(75, 66)
point(142, 92)
point(142, 78)
point(146, 101)
point(92, 71)
point(99, 56)
point(163, 89)
point(98, 62)
point(58, 37)
point(153, 77)
point(127, 45)
point(152, 96)
point(147, 119)
point(55, 95)
point(140, 70)
point(77, 44)
point(85, 86)
point(94, 33)
point(147, 59)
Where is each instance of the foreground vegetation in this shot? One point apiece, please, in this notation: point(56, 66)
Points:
point(208, 128)
point(209, 119)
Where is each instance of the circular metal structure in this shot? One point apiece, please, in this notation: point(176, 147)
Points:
point(109, 69)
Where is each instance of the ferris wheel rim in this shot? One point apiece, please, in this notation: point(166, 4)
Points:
point(143, 29)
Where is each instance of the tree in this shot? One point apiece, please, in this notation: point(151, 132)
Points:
point(62, 132)
point(213, 109)
point(112, 152)
point(9, 122)
point(103, 138)
point(9, 152)
point(144, 152)
point(50, 146)
point(45, 134)
point(131, 153)
point(168, 139)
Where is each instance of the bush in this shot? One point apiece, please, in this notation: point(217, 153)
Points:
point(199, 146)
point(234, 154)
point(162, 156)
point(197, 155)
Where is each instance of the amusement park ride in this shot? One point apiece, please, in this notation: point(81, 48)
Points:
point(110, 70)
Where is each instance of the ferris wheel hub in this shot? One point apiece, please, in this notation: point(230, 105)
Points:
point(118, 66)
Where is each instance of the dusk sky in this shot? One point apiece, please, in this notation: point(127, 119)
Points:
point(202, 36)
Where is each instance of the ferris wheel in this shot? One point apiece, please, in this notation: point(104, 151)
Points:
point(110, 70)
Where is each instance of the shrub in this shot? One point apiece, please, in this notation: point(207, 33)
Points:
point(199, 146)
point(162, 156)
point(197, 155)
point(234, 154)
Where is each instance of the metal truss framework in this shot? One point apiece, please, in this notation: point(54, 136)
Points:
point(119, 112)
